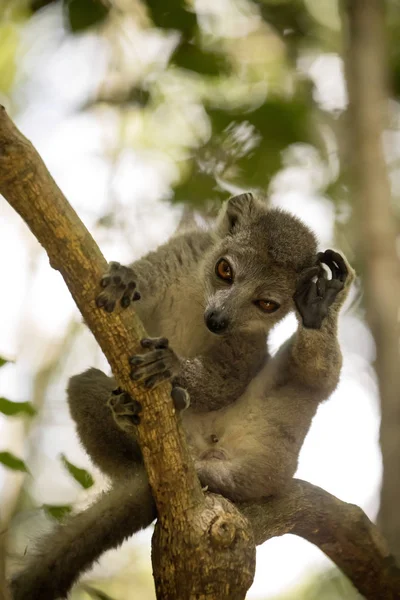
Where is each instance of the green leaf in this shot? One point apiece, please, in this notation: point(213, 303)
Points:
point(96, 594)
point(82, 14)
point(12, 462)
point(3, 361)
point(190, 56)
point(9, 408)
point(173, 14)
point(36, 5)
point(82, 476)
point(57, 511)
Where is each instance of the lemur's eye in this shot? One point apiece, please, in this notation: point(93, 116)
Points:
point(223, 270)
point(268, 306)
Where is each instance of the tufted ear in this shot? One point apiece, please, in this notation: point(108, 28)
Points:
point(235, 212)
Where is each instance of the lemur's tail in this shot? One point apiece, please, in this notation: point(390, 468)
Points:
point(74, 546)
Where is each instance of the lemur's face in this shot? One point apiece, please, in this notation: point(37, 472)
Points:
point(251, 272)
point(244, 291)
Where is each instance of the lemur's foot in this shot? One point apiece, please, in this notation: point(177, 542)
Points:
point(118, 285)
point(154, 367)
point(125, 410)
point(313, 298)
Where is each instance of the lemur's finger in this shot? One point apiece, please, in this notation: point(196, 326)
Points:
point(105, 281)
point(336, 264)
point(155, 380)
point(103, 301)
point(147, 359)
point(143, 372)
point(156, 343)
point(312, 295)
point(307, 275)
point(341, 263)
point(321, 286)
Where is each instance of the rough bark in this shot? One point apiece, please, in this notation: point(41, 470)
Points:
point(182, 508)
point(203, 547)
point(365, 58)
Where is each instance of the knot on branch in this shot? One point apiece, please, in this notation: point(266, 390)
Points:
point(223, 532)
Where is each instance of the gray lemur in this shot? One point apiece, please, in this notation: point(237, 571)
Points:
point(215, 295)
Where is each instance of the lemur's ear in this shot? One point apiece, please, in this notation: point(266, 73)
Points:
point(235, 212)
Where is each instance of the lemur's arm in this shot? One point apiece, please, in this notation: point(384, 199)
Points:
point(312, 357)
point(217, 380)
point(212, 381)
point(150, 277)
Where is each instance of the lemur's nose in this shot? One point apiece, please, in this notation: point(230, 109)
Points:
point(216, 321)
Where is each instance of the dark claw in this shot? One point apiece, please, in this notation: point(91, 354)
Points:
point(136, 296)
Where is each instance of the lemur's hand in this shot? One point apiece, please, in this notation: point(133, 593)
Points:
point(158, 365)
point(119, 285)
point(313, 298)
point(126, 410)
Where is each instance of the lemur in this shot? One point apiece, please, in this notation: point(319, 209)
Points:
point(214, 295)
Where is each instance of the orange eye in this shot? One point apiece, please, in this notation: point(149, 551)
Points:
point(223, 270)
point(268, 306)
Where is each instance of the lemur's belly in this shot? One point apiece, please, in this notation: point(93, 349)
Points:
point(226, 433)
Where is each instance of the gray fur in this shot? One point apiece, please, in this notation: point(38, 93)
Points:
point(249, 414)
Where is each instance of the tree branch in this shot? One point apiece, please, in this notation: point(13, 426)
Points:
point(341, 530)
point(180, 562)
point(198, 540)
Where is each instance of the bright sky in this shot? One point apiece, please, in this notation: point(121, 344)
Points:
point(341, 452)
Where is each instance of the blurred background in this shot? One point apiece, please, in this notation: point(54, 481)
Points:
point(147, 114)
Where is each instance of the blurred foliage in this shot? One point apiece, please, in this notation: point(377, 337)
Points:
point(83, 477)
point(96, 594)
point(82, 14)
point(9, 40)
point(57, 511)
point(9, 408)
point(12, 462)
point(79, 14)
point(247, 137)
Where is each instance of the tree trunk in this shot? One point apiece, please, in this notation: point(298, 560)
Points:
point(366, 65)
